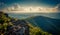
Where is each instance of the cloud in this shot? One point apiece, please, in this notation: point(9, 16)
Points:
point(58, 7)
point(16, 8)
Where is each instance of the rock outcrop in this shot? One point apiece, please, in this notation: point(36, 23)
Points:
point(11, 26)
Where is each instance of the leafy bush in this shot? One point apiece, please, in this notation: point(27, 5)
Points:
point(4, 23)
point(37, 31)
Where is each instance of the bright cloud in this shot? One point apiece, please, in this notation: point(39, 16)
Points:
point(58, 7)
point(30, 9)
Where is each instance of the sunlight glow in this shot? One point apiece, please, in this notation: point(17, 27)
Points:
point(30, 9)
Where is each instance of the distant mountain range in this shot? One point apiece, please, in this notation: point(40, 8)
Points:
point(23, 16)
point(47, 24)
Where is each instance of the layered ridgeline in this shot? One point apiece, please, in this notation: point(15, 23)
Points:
point(13, 26)
point(47, 24)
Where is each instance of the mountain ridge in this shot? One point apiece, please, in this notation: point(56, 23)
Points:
point(47, 24)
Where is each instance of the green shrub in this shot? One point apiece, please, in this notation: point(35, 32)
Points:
point(37, 31)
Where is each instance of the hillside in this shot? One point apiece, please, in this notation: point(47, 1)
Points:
point(47, 24)
point(13, 26)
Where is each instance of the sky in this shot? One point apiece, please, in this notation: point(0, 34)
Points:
point(31, 5)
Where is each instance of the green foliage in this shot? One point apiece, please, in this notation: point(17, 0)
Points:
point(37, 31)
point(4, 23)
